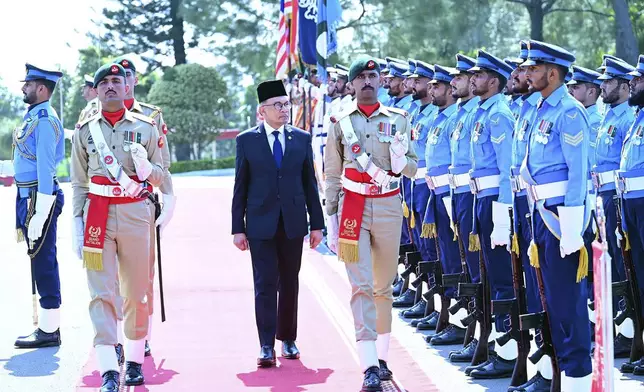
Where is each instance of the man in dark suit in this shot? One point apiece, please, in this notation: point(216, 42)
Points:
point(275, 186)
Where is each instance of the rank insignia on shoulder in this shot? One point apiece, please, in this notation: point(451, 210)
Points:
point(77, 126)
point(333, 119)
point(161, 142)
point(42, 113)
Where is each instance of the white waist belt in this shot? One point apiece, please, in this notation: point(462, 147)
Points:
point(420, 173)
point(601, 179)
point(438, 181)
point(458, 180)
point(626, 185)
point(482, 183)
point(369, 189)
point(107, 190)
point(547, 191)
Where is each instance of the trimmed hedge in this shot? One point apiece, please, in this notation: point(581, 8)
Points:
point(203, 164)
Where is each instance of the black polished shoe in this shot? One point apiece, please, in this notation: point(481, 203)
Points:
point(417, 311)
point(430, 324)
point(536, 384)
point(622, 346)
point(450, 335)
point(398, 287)
point(384, 373)
point(629, 367)
point(415, 322)
point(289, 350)
point(110, 381)
point(148, 352)
point(469, 369)
point(120, 354)
point(406, 300)
point(496, 368)
point(465, 354)
point(266, 357)
point(133, 374)
point(38, 339)
point(638, 370)
point(371, 381)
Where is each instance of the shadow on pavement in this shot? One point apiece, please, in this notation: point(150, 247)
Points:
point(33, 363)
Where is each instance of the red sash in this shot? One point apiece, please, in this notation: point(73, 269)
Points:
point(96, 223)
point(351, 218)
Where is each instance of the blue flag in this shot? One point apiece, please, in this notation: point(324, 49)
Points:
point(328, 17)
point(307, 29)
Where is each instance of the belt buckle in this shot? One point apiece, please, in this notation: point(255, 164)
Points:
point(516, 184)
point(374, 189)
point(474, 187)
point(452, 181)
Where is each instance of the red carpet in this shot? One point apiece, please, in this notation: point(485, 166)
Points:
point(209, 341)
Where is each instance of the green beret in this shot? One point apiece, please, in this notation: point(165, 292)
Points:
point(106, 70)
point(125, 62)
point(363, 63)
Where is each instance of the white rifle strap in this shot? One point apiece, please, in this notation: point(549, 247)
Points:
point(110, 162)
point(378, 175)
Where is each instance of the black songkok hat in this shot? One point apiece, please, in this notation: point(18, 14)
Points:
point(270, 89)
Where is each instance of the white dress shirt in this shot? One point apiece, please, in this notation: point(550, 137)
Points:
point(271, 137)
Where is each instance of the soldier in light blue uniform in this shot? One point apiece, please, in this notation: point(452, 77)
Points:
point(383, 95)
point(408, 85)
point(439, 206)
point(555, 169)
point(462, 197)
point(631, 188)
point(612, 131)
point(39, 148)
point(514, 98)
point(491, 153)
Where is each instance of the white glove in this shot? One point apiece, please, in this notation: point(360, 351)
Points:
point(501, 219)
point(571, 222)
point(167, 212)
point(141, 163)
point(6, 169)
point(78, 237)
point(37, 221)
point(397, 150)
point(619, 237)
point(332, 233)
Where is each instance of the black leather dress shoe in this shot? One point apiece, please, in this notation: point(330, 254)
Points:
point(371, 381)
point(430, 324)
point(629, 367)
point(384, 373)
point(266, 357)
point(469, 369)
point(638, 370)
point(133, 374)
point(535, 384)
point(417, 311)
point(415, 322)
point(148, 352)
point(110, 381)
point(406, 300)
point(465, 354)
point(450, 335)
point(398, 287)
point(289, 350)
point(497, 367)
point(120, 354)
point(38, 339)
point(622, 346)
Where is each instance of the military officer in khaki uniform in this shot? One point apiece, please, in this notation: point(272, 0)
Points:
point(116, 159)
point(367, 151)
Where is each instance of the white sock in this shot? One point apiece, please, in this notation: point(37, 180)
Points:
point(134, 350)
point(106, 358)
point(544, 366)
point(627, 329)
point(509, 351)
point(49, 320)
point(368, 354)
point(382, 346)
point(120, 337)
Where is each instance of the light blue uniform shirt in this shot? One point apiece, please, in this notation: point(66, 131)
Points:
point(40, 147)
point(491, 145)
point(437, 151)
point(515, 104)
point(522, 132)
point(460, 140)
point(383, 95)
point(402, 103)
point(594, 120)
point(610, 139)
point(632, 162)
point(420, 127)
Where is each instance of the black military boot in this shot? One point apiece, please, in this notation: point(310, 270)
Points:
point(133, 374)
point(415, 312)
point(536, 384)
point(450, 335)
point(495, 368)
point(469, 369)
point(110, 381)
point(465, 354)
point(415, 322)
point(629, 367)
point(38, 339)
point(429, 324)
point(406, 300)
point(371, 381)
point(120, 354)
point(385, 374)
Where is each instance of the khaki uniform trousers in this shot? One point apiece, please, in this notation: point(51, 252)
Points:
point(372, 276)
point(126, 274)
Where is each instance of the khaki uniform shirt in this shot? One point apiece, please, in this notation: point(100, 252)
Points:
point(86, 161)
point(338, 155)
point(90, 109)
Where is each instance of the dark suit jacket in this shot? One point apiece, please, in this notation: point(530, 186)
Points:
point(262, 191)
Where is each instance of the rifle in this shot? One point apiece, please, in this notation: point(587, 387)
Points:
point(515, 307)
point(630, 291)
point(540, 321)
point(157, 211)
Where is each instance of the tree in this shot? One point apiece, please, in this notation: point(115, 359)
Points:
point(10, 105)
point(625, 38)
point(193, 99)
point(89, 60)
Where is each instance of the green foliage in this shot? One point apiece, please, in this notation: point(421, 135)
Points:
point(89, 60)
point(194, 99)
point(203, 164)
point(7, 125)
point(10, 104)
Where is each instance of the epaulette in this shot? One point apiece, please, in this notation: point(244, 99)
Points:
point(143, 118)
point(155, 109)
point(337, 117)
point(87, 119)
point(402, 112)
point(42, 113)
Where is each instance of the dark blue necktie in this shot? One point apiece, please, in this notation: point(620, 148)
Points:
point(278, 154)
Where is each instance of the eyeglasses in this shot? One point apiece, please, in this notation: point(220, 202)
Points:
point(279, 106)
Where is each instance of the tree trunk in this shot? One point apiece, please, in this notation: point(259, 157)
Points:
point(536, 20)
point(176, 33)
point(625, 39)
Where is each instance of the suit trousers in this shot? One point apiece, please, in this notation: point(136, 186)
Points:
point(276, 266)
